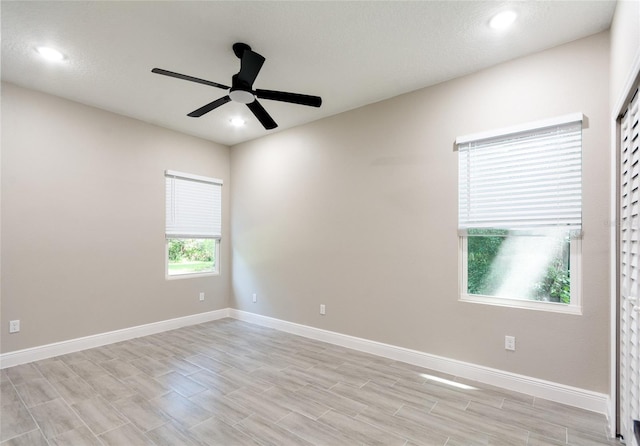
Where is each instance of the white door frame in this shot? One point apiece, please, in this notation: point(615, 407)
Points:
point(614, 214)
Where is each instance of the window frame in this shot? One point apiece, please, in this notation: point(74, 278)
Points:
point(215, 235)
point(575, 244)
point(575, 274)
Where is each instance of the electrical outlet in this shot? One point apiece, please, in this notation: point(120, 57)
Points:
point(14, 326)
point(322, 309)
point(255, 298)
point(201, 296)
point(510, 343)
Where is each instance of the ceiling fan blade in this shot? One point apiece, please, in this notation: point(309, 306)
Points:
point(262, 115)
point(295, 98)
point(210, 106)
point(188, 78)
point(250, 66)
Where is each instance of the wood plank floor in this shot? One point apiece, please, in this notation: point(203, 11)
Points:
point(229, 383)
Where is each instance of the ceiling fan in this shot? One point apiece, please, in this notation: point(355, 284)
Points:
point(241, 89)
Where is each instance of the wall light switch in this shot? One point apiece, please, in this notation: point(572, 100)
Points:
point(201, 297)
point(255, 298)
point(322, 309)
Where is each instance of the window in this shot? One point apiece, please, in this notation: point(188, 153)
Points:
point(193, 224)
point(520, 215)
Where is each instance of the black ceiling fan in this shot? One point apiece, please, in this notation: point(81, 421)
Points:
point(241, 89)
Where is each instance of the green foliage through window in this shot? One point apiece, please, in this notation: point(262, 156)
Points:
point(191, 255)
point(519, 266)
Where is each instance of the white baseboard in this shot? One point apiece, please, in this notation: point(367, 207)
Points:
point(18, 357)
point(585, 399)
point(573, 396)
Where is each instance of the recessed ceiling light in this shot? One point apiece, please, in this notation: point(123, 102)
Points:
point(502, 20)
point(237, 122)
point(50, 53)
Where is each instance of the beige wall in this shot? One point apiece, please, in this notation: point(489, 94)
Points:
point(83, 220)
point(359, 212)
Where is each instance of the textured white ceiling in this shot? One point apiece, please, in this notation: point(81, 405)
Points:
point(350, 53)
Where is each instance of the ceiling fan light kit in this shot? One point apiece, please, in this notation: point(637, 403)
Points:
point(241, 96)
point(241, 89)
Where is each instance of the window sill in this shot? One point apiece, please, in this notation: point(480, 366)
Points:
point(522, 304)
point(191, 275)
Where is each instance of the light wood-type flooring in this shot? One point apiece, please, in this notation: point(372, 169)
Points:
point(230, 383)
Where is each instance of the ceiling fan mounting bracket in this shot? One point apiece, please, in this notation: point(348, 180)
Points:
point(239, 48)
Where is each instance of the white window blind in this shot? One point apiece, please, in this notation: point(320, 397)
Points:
point(193, 207)
point(525, 178)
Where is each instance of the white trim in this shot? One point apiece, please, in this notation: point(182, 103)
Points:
point(613, 238)
point(584, 399)
point(521, 304)
point(573, 396)
point(191, 275)
point(573, 308)
point(190, 176)
point(73, 345)
point(628, 85)
point(174, 236)
point(613, 277)
point(559, 120)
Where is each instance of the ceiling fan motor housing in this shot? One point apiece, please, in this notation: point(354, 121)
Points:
point(240, 91)
point(241, 96)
